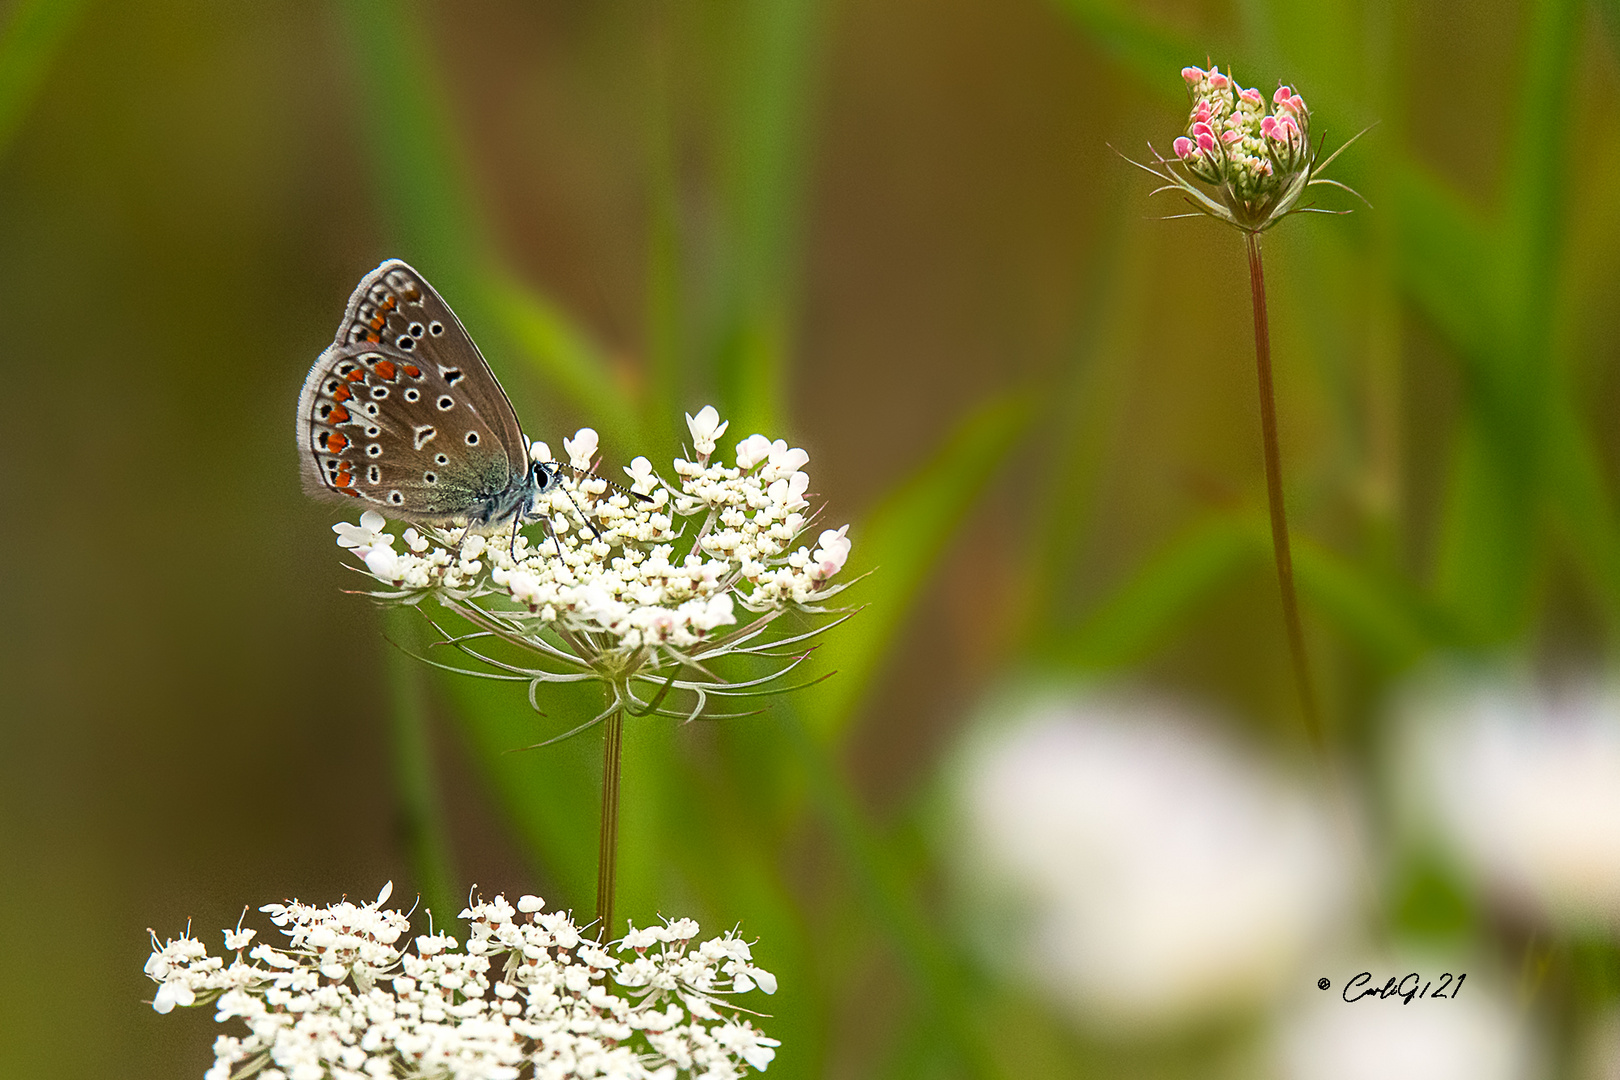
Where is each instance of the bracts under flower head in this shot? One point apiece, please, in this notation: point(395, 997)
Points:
point(1242, 159)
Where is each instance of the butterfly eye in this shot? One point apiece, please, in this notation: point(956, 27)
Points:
point(412, 394)
point(374, 450)
point(446, 403)
point(441, 459)
point(416, 330)
point(379, 392)
point(430, 478)
point(405, 342)
point(435, 328)
point(472, 438)
point(396, 498)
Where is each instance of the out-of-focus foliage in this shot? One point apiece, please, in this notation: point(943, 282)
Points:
point(893, 228)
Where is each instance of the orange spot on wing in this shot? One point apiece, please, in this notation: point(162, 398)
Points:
point(336, 443)
point(343, 480)
point(341, 394)
point(356, 375)
point(373, 338)
point(385, 368)
point(388, 304)
point(339, 414)
point(378, 322)
point(413, 371)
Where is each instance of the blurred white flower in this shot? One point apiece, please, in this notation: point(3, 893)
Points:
point(1523, 787)
point(1476, 1036)
point(1158, 875)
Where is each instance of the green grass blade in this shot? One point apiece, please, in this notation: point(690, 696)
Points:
point(1446, 256)
point(28, 45)
point(1394, 625)
point(1583, 505)
point(1082, 418)
point(773, 48)
point(570, 359)
point(935, 972)
point(1537, 173)
point(1144, 611)
point(666, 337)
point(552, 796)
point(434, 218)
point(1388, 621)
point(903, 540)
point(1489, 530)
point(409, 133)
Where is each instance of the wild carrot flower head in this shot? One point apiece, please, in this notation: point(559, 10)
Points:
point(350, 996)
point(1242, 158)
point(640, 588)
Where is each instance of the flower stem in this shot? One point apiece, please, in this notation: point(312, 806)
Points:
point(1274, 495)
point(608, 854)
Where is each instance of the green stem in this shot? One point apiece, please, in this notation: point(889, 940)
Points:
point(608, 853)
point(1274, 495)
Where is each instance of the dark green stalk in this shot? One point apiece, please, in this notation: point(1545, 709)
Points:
point(608, 853)
point(1274, 496)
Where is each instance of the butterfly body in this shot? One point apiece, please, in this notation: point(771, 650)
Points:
point(402, 411)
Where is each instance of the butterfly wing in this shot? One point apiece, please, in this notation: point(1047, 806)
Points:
point(402, 410)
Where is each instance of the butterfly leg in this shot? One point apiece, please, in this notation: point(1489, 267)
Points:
point(462, 539)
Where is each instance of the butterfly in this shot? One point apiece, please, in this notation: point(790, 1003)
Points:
point(402, 412)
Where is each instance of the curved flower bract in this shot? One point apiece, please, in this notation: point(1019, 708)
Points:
point(642, 587)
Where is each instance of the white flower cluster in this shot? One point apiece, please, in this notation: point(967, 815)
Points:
point(658, 565)
point(1147, 874)
point(528, 995)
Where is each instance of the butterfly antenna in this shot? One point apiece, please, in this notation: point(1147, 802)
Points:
point(581, 513)
point(590, 474)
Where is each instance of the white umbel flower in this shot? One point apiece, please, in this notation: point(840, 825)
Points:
point(351, 996)
point(642, 589)
point(706, 428)
point(1154, 875)
point(1522, 785)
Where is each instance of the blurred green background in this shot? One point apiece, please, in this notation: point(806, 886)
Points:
point(892, 232)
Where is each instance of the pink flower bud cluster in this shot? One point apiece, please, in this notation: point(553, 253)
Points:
point(1233, 141)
